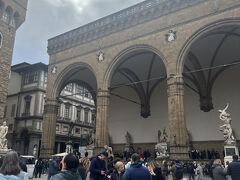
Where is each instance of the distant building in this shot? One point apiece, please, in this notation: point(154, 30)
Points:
point(12, 15)
point(25, 107)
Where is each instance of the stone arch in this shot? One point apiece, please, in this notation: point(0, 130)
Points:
point(122, 66)
point(202, 82)
point(110, 70)
point(199, 33)
point(67, 72)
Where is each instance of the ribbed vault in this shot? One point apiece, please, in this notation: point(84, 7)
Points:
point(208, 58)
point(141, 71)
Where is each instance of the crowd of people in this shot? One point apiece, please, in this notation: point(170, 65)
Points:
point(105, 167)
point(204, 154)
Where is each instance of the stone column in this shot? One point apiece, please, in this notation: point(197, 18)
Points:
point(49, 128)
point(177, 123)
point(102, 108)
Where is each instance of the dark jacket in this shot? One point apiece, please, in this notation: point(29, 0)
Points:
point(158, 174)
point(219, 173)
point(53, 167)
point(97, 165)
point(137, 172)
point(234, 170)
point(116, 176)
point(67, 175)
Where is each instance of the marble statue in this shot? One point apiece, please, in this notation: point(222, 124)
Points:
point(3, 133)
point(162, 136)
point(161, 150)
point(226, 128)
point(161, 147)
point(35, 150)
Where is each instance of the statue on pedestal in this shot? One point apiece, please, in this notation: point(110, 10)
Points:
point(161, 147)
point(3, 139)
point(226, 128)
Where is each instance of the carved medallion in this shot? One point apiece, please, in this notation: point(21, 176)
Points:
point(54, 70)
point(100, 56)
point(171, 36)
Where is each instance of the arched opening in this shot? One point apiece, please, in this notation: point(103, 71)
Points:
point(211, 69)
point(76, 114)
point(138, 98)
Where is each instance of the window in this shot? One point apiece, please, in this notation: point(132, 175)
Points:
point(57, 127)
point(39, 125)
point(79, 90)
point(86, 115)
point(86, 93)
point(78, 114)
point(13, 110)
point(1, 39)
point(27, 104)
point(31, 77)
point(65, 128)
point(58, 110)
point(77, 130)
point(35, 76)
point(66, 113)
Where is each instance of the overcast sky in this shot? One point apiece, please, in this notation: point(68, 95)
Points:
point(48, 18)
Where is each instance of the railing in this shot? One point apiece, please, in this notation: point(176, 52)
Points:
point(137, 14)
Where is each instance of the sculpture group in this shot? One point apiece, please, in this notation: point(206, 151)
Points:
point(226, 128)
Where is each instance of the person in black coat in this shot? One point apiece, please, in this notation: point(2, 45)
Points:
point(234, 168)
point(98, 170)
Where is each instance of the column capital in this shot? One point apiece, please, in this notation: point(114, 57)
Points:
point(175, 79)
point(175, 85)
point(103, 93)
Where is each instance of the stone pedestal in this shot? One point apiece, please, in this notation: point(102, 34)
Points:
point(229, 151)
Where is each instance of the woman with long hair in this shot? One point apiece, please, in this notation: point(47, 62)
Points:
point(10, 168)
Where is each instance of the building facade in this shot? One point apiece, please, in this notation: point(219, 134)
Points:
point(12, 15)
point(158, 64)
point(25, 107)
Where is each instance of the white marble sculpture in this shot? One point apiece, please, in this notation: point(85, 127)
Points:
point(161, 147)
point(3, 134)
point(226, 128)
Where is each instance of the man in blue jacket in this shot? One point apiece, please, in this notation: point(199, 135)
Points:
point(234, 168)
point(98, 167)
point(137, 171)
